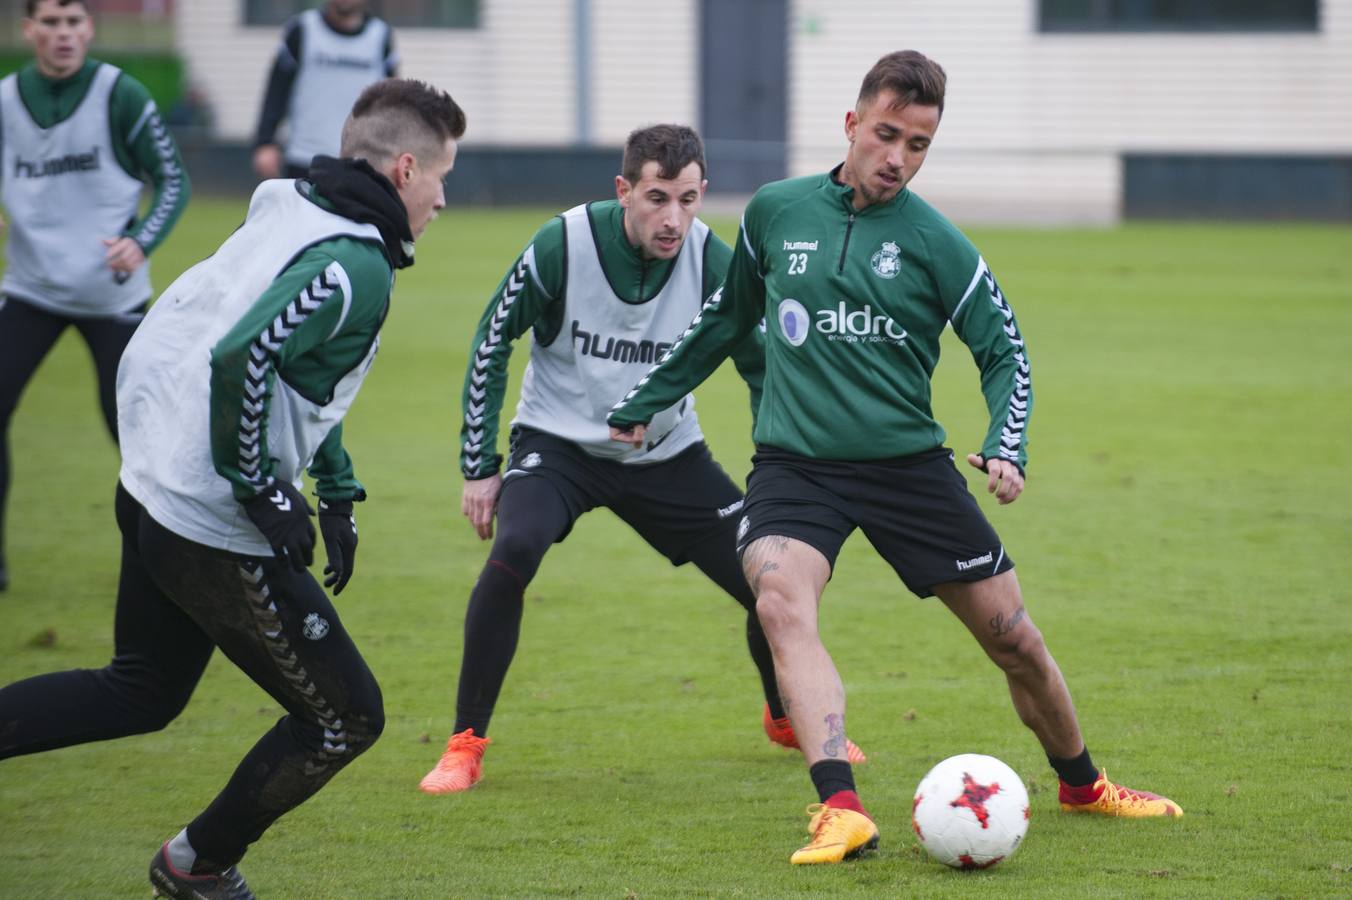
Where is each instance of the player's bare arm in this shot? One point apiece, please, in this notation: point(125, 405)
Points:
point(479, 503)
point(1003, 479)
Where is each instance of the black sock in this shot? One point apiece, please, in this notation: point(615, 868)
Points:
point(1076, 772)
point(831, 776)
point(492, 626)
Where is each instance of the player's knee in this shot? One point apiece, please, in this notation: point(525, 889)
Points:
point(778, 613)
point(1021, 650)
point(519, 550)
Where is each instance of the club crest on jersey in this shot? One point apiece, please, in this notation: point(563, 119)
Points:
point(887, 261)
point(314, 627)
point(794, 322)
point(531, 461)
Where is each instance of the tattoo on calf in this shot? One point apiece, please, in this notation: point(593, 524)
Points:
point(1000, 627)
point(835, 736)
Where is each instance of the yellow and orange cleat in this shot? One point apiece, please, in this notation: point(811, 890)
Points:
point(1110, 799)
point(780, 731)
point(460, 767)
point(837, 834)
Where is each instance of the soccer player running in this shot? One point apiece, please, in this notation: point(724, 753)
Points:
point(235, 384)
point(77, 136)
point(857, 277)
point(325, 58)
point(606, 287)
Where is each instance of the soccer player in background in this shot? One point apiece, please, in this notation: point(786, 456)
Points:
point(856, 277)
point(235, 384)
point(325, 58)
point(605, 287)
point(76, 138)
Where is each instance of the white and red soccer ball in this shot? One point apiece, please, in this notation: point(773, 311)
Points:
point(970, 811)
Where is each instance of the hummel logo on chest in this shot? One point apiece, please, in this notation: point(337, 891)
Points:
point(800, 245)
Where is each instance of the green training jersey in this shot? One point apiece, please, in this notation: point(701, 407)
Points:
point(854, 303)
point(600, 314)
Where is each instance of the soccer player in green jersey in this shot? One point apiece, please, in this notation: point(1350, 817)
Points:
point(603, 289)
point(77, 137)
point(856, 277)
point(237, 383)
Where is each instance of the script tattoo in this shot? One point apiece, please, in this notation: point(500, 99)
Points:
point(756, 580)
point(835, 735)
point(1000, 627)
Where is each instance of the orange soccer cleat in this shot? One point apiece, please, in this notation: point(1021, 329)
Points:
point(780, 731)
point(460, 767)
point(837, 834)
point(1108, 799)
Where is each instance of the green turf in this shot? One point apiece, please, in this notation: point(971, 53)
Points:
point(1185, 543)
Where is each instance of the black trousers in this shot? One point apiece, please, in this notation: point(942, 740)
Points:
point(176, 601)
point(27, 333)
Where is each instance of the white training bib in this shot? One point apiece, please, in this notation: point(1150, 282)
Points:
point(606, 345)
point(334, 69)
point(66, 193)
point(164, 380)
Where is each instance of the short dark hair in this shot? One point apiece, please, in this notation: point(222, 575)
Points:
point(911, 75)
point(32, 5)
point(672, 147)
point(399, 115)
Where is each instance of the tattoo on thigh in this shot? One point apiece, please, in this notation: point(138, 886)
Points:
point(1000, 627)
point(835, 735)
point(766, 567)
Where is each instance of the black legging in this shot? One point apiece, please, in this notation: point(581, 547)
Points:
point(27, 333)
point(531, 517)
point(176, 601)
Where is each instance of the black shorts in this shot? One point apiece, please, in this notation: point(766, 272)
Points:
point(673, 505)
point(915, 510)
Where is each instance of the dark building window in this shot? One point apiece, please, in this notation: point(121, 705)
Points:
point(1178, 15)
point(400, 13)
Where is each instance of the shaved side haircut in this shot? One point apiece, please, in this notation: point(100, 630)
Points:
point(401, 115)
point(672, 147)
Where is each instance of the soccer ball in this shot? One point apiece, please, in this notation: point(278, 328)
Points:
point(970, 811)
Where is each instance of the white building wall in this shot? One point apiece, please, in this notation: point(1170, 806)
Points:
point(513, 75)
point(1035, 123)
point(645, 68)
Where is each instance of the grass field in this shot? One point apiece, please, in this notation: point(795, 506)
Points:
point(1185, 543)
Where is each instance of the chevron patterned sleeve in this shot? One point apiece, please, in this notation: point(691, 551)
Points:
point(533, 283)
point(312, 303)
point(985, 322)
point(152, 150)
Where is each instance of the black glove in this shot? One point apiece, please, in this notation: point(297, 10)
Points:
point(282, 514)
point(339, 527)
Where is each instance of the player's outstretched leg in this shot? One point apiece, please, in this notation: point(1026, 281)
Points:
point(993, 610)
point(531, 517)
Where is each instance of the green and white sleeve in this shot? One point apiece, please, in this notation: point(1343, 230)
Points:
point(534, 282)
point(984, 321)
point(313, 324)
point(144, 147)
point(722, 325)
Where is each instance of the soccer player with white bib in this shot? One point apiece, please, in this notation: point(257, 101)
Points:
point(326, 57)
point(77, 136)
point(856, 277)
point(605, 288)
point(235, 385)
